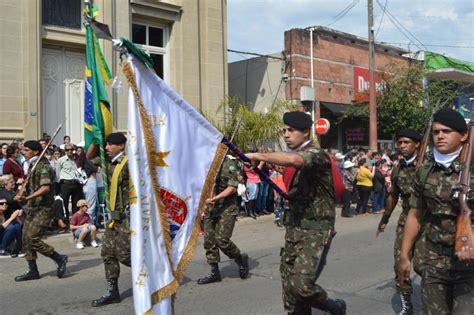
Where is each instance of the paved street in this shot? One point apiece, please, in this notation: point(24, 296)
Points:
point(359, 270)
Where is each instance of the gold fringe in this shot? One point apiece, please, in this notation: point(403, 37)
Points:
point(162, 293)
point(206, 191)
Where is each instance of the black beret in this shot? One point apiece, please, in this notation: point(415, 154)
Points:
point(116, 138)
point(298, 120)
point(33, 145)
point(410, 133)
point(450, 118)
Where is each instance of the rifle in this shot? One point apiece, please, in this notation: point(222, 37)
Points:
point(464, 242)
point(21, 192)
point(424, 143)
point(325, 246)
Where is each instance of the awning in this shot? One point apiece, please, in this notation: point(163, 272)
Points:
point(336, 109)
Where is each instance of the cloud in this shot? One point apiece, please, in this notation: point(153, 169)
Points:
point(259, 25)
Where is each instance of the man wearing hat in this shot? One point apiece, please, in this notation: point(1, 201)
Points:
point(116, 240)
point(448, 281)
point(40, 210)
point(408, 143)
point(82, 226)
point(348, 178)
point(310, 216)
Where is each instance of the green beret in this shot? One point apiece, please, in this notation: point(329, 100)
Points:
point(410, 133)
point(298, 120)
point(33, 145)
point(451, 119)
point(116, 138)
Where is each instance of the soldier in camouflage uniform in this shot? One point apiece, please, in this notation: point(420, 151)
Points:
point(219, 221)
point(447, 283)
point(308, 219)
point(40, 209)
point(408, 142)
point(116, 241)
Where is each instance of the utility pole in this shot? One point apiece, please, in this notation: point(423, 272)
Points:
point(372, 98)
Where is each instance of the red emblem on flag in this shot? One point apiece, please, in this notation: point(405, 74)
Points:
point(176, 209)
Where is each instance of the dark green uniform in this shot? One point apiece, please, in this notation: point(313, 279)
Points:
point(219, 219)
point(310, 214)
point(447, 284)
point(402, 180)
point(40, 212)
point(116, 242)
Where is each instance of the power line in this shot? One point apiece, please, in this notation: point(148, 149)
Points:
point(431, 45)
point(254, 54)
point(343, 13)
point(381, 19)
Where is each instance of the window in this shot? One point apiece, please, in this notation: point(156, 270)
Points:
point(152, 39)
point(64, 13)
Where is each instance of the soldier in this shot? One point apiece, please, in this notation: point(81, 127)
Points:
point(116, 241)
point(40, 209)
point(219, 221)
point(408, 142)
point(447, 283)
point(308, 219)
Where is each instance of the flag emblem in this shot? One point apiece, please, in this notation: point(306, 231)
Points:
point(176, 209)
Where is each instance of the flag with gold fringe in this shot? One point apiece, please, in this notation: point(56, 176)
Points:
point(174, 156)
point(97, 115)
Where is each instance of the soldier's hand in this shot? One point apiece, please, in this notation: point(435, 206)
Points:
point(380, 229)
point(405, 269)
point(466, 255)
point(20, 198)
point(210, 201)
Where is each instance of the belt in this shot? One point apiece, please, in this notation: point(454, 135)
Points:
point(72, 181)
point(440, 249)
point(312, 225)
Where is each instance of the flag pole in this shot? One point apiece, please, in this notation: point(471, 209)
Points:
point(262, 175)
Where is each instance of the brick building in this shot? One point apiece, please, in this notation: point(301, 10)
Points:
point(340, 76)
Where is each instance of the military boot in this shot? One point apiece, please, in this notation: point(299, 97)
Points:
point(243, 262)
point(31, 274)
point(111, 295)
point(407, 307)
point(334, 307)
point(61, 261)
point(214, 276)
point(301, 309)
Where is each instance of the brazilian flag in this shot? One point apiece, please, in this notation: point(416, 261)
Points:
point(97, 115)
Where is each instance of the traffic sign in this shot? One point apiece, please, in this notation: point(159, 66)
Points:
point(322, 126)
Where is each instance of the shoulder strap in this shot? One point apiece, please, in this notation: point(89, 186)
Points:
point(114, 182)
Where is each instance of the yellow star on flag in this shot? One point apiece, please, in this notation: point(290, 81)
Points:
point(160, 158)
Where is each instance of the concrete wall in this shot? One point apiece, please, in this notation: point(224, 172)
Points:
point(196, 55)
point(257, 82)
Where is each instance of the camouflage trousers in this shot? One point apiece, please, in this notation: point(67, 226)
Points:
point(116, 248)
point(217, 233)
point(34, 227)
point(447, 286)
point(416, 256)
point(299, 259)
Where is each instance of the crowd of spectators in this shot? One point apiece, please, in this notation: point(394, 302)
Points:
point(77, 180)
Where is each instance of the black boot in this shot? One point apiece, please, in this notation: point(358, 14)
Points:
point(334, 307)
point(252, 206)
point(407, 307)
point(112, 294)
point(61, 261)
point(214, 276)
point(31, 274)
point(243, 262)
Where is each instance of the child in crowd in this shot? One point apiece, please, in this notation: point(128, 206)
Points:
point(81, 225)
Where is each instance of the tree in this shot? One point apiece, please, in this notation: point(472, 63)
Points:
point(405, 102)
point(249, 129)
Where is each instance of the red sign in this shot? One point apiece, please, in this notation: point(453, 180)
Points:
point(361, 84)
point(322, 126)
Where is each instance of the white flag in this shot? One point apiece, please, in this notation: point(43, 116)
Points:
point(174, 157)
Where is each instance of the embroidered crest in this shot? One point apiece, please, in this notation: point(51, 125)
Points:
point(176, 209)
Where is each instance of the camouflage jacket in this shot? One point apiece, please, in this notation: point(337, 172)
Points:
point(43, 175)
point(435, 200)
point(122, 200)
point(228, 176)
point(311, 194)
point(402, 181)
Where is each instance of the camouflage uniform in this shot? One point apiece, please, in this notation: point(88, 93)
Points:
point(447, 284)
point(402, 180)
point(219, 220)
point(310, 214)
point(116, 242)
point(39, 212)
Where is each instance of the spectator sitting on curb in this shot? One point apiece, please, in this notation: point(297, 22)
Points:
point(81, 225)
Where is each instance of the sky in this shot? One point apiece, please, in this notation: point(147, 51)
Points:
point(441, 26)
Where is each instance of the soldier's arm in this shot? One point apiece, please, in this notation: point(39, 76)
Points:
point(43, 190)
point(410, 233)
point(229, 191)
point(392, 201)
point(279, 158)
